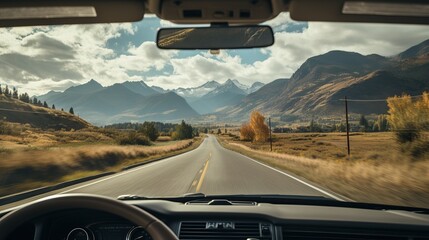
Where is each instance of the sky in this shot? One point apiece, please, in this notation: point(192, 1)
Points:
point(39, 59)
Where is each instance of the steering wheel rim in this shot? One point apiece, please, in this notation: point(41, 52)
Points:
point(157, 229)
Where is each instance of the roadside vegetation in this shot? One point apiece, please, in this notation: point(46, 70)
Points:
point(33, 156)
point(389, 166)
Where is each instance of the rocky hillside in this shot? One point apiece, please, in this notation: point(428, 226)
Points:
point(318, 85)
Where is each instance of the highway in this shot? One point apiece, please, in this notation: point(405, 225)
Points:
point(210, 169)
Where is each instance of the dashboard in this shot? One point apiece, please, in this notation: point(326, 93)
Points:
point(264, 221)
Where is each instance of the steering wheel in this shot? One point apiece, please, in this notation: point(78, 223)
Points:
point(157, 229)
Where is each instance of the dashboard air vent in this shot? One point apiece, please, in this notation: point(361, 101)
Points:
point(338, 233)
point(217, 230)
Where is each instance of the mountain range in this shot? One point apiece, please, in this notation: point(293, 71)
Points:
point(319, 85)
point(136, 101)
point(316, 88)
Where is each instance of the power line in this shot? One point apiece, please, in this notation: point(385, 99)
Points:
point(372, 100)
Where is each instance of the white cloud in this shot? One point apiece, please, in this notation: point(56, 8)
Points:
point(44, 58)
point(198, 69)
point(70, 54)
point(291, 49)
point(386, 40)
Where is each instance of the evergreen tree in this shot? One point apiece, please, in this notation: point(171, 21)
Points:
point(15, 93)
point(39, 103)
point(25, 98)
point(7, 91)
point(53, 106)
point(1, 91)
point(363, 122)
point(45, 104)
point(35, 101)
point(71, 110)
point(62, 109)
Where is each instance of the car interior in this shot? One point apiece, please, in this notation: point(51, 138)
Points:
point(199, 216)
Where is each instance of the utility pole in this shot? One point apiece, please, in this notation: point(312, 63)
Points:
point(271, 139)
point(347, 127)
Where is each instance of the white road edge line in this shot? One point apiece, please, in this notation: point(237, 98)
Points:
point(299, 180)
point(288, 175)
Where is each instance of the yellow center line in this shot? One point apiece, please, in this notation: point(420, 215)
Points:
point(200, 182)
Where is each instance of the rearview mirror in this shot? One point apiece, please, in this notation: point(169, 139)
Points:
point(234, 37)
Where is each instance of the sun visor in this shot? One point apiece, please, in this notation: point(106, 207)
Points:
point(30, 13)
point(401, 11)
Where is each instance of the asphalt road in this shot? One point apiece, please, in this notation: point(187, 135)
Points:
point(210, 169)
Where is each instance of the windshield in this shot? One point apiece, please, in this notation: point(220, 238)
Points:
point(331, 109)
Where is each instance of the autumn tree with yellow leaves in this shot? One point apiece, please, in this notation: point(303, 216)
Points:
point(246, 132)
point(408, 117)
point(256, 130)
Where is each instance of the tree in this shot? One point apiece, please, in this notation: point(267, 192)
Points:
point(25, 98)
point(7, 91)
point(314, 127)
point(45, 104)
point(246, 132)
point(1, 91)
point(219, 131)
point(257, 122)
point(407, 117)
point(15, 93)
point(341, 127)
point(53, 106)
point(183, 131)
point(206, 130)
point(381, 124)
point(39, 103)
point(149, 129)
point(71, 110)
point(62, 109)
point(363, 122)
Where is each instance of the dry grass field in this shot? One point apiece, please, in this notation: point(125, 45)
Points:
point(35, 158)
point(378, 171)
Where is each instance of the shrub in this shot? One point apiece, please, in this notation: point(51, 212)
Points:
point(149, 129)
point(134, 138)
point(14, 129)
